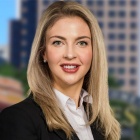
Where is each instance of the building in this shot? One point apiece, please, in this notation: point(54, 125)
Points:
point(22, 32)
point(15, 42)
point(118, 20)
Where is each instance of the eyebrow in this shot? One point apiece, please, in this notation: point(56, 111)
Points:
point(63, 38)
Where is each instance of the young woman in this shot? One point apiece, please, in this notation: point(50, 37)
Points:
point(67, 76)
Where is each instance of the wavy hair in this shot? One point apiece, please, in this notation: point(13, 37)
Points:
point(95, 81)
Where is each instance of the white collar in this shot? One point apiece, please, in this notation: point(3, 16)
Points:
point(63, 99)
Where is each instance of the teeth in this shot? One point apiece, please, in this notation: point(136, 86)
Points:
point(69, 67)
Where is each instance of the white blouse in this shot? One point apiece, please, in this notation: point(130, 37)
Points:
point(76, 116)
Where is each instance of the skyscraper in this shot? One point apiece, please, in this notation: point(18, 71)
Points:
point(118, 20)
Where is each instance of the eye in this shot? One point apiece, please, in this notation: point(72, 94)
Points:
point(57, 43)
point(82, 43)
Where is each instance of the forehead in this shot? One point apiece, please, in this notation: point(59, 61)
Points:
point(66, 25)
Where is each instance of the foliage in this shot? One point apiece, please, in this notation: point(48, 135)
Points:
point(128, 115)
point(8, 70)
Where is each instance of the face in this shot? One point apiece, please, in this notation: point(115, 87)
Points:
point(68, 51)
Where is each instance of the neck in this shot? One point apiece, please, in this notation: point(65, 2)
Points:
point(71, 91)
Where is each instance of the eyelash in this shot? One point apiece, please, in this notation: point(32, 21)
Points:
point(85, 43)
point(58, 43)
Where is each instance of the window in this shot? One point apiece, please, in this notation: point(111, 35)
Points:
point(121, 82)
point(121, 70)
point(45, 2)
point(122, 2)
point(122, 13)
point(121, 25)
point(132, 82)
point(133, 59)
point(133, 70)
point(111, 59)
point(133, 14)
point(121, 59)
point(24, 32)
point(112, 13)
point(133, 48)
point(111, 70)
point(121, 36)
point(101, 24)
point(111, 36)
point(112, 2)
point(111, 24)
point(133, 2)
point(99, 13)
point(100, 2)
point(90, 2)
point(111, 47)
point(121, 47)
point(133, 36)
point(24, 43)
point(79, 1)
point(133, 25)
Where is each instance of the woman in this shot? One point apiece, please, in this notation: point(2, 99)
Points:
point(67, 76)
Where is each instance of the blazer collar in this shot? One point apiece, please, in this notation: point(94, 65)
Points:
point(61, 133)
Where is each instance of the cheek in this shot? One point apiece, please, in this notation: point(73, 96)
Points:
point(53, 56)
point(87, 57)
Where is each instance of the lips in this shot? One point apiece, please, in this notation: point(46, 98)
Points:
point(70, 68)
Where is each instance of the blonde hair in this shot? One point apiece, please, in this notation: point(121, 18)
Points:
point(95, 81)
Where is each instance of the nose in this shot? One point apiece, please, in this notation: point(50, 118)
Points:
point(70, 53)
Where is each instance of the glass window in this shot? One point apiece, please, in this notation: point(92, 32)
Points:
point(133, 70)
point(121, 70)
point(133, 25)
point(121, 47)
point(100, 13)
point(121, 25)
point(111, 36)
point(111, 24)
point(112, 2)
point(122, 13)
point(45, 2)
point(90, 2)
point(101, 24)
point(121, 82)
point(121, 36)
point(132, 82)
point(121, 59)
point(111, 70)
point(133, 59)
point(133, 2)
point(79, 1)
point(111, 47)
point(112, 13)
point(133, 36)
point(133, 48)
point(122, 2)
point(111, 59)
point(133, 14)
point(100, 2)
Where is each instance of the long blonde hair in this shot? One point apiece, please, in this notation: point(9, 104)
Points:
point(95, 81)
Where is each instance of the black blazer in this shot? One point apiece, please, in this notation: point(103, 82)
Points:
point(25, 121)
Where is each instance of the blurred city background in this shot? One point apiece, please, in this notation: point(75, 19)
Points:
point(120, 24)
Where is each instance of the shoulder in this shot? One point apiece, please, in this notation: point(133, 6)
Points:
point(27, 106)
point(20, 119)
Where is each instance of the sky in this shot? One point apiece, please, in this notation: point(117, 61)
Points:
point(7, 12)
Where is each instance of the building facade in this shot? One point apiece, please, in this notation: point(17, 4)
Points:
point(118, 20)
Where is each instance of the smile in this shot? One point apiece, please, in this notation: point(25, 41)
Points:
point(70, 68)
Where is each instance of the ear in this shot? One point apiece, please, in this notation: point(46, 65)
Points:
point(45, 56)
